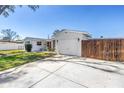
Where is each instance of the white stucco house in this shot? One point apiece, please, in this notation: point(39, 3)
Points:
point(69, 41)
point(64, 41)
point(38, 44)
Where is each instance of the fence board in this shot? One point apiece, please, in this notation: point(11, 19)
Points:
point(106, 49)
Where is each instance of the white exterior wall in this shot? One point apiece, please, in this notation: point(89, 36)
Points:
point(69, 47)
point(68, 43)
point(10, 46)
point(36, 47)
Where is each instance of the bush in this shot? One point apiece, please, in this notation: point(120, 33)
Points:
point(28, 47)
point(51, 49)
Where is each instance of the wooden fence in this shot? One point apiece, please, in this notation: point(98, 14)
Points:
point(105, 49)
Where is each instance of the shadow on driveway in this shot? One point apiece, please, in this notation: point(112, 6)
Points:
point(102, 66)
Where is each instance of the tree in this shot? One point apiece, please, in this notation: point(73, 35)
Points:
point(6, 9)
point(8, 34)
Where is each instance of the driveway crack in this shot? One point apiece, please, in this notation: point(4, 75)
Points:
point(46, 76)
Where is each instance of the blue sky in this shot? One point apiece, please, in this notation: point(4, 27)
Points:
point(107, 21)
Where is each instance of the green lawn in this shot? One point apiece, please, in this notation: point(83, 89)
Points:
point(17, 59)
point(9, 52)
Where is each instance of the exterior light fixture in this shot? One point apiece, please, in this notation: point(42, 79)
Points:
point(78, 39)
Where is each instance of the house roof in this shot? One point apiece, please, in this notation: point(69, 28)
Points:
point(32, 38)
point(11, 41)
point(71, 31)
point(75, 31)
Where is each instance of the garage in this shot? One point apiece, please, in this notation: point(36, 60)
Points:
point(69, 41)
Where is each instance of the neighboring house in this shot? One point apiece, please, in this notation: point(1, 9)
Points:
point(38, 44)
point(11, 45)
point(69, 41)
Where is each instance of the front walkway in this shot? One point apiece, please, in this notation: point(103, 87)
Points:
point(65, 71)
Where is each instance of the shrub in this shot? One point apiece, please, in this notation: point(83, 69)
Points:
point(51, 49)
point(28, 47)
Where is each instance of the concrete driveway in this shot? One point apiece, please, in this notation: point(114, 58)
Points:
point(66, 72)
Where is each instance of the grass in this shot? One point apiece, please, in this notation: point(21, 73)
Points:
point(18, 59)
point(9, 52)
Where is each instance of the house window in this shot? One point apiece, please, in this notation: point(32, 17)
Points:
point(39, 43)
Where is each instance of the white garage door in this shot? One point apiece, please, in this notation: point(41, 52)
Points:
point(70, 47)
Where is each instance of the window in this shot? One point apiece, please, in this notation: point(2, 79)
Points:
point(39, 43)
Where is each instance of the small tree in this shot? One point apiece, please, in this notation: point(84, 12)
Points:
point(8, 34)
point(28, 47)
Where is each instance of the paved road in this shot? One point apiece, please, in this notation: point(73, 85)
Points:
point(66, 72)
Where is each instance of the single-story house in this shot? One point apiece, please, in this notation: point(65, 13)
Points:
point(69, 41)
point(64, 41)
point(38, 44)
point(11, 45)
